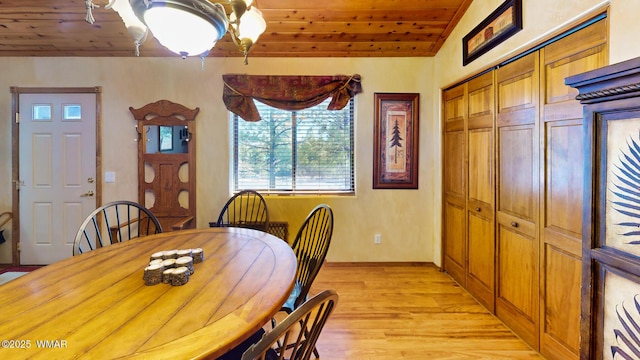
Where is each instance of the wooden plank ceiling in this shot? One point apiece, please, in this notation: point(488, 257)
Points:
point(295, 28)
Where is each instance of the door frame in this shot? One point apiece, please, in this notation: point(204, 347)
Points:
point(15, 146)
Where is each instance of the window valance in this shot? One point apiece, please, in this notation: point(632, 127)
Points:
point(286, 92)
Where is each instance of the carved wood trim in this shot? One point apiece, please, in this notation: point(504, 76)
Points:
point(609, 92)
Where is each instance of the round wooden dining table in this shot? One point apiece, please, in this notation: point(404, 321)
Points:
point(96, 305)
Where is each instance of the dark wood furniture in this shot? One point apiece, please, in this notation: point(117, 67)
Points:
point(113, 223)
point(610, 239)
point(97, 306)
point(279, 229)
point(307, 320)
point(167, 162)
point(246, 209)
point(310, 245)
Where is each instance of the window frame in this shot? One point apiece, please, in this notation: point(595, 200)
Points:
point(234, 187)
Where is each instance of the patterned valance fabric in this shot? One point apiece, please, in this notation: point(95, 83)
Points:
point(286, 92)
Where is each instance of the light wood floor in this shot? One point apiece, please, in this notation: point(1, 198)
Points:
point(413, 311)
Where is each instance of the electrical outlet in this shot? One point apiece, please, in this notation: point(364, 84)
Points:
point(377, 239)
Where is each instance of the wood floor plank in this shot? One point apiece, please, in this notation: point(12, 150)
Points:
point(412, 311)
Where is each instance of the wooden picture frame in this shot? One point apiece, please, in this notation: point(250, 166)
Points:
point(395, 142)
point(500, 25)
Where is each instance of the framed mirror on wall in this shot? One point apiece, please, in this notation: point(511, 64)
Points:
point(166, 139)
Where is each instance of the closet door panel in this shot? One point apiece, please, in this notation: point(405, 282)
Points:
point(481, 263)
point(454, 164)
point(560, 315)
point(481, 167)
point(562, 178)
point(481, 190)
point(517, 247)
point(455, 244)
point(517, 288)
point(454, 230)
point(516, 183)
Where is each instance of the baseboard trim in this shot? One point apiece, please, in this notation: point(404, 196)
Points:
point(382, 263)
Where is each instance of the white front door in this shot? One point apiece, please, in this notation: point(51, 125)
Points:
point(57, 168)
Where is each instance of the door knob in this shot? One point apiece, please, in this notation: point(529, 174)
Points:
point(88, 193)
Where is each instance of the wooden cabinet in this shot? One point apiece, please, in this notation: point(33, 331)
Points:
point(610, 310)
point(513, 174)
point(166, 163)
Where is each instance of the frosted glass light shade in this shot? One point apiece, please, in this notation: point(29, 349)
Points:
point(182, 32)
point(252, 25)
point(186, 27)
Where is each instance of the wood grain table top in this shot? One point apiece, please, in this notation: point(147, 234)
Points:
point(96, 305)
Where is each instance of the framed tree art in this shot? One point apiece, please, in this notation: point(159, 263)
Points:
point(395, 142)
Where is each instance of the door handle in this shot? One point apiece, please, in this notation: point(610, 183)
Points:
point(88, 193)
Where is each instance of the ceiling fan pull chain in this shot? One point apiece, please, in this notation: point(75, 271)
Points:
point(89, 5)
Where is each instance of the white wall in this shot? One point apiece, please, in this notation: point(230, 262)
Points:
point(409, 220)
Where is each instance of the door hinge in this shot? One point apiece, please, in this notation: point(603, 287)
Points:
point(18, 247)
point(18, 184)
point(17, 118)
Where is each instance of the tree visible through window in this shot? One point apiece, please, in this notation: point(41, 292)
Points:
point(308, 150)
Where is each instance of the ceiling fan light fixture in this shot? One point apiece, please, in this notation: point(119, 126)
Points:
point(252, 25)
point(189, 27)
point(183, 30)
point(136, 28)
point(186, 27)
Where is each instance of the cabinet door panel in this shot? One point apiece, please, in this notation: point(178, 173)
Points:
point(454, 109)
point(561, 311)
point(516, 184)
point(481, 263)
point(563, 177)
point(454, 244)
point(454, 164)
point(517, 283)
point(481, 165)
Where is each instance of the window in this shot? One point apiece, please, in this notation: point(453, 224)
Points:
point(301, 151)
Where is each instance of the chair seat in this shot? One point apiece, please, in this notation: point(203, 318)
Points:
point(236, 352)
point(289, 305)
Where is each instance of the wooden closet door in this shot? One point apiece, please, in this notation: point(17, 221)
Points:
point(454, 184)
point(481, 190)
point(562, 163)
point(517, 197)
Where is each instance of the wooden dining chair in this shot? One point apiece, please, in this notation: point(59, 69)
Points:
point(295, 337)
point(115, 222)
point(310, 245)
point(246, 209)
